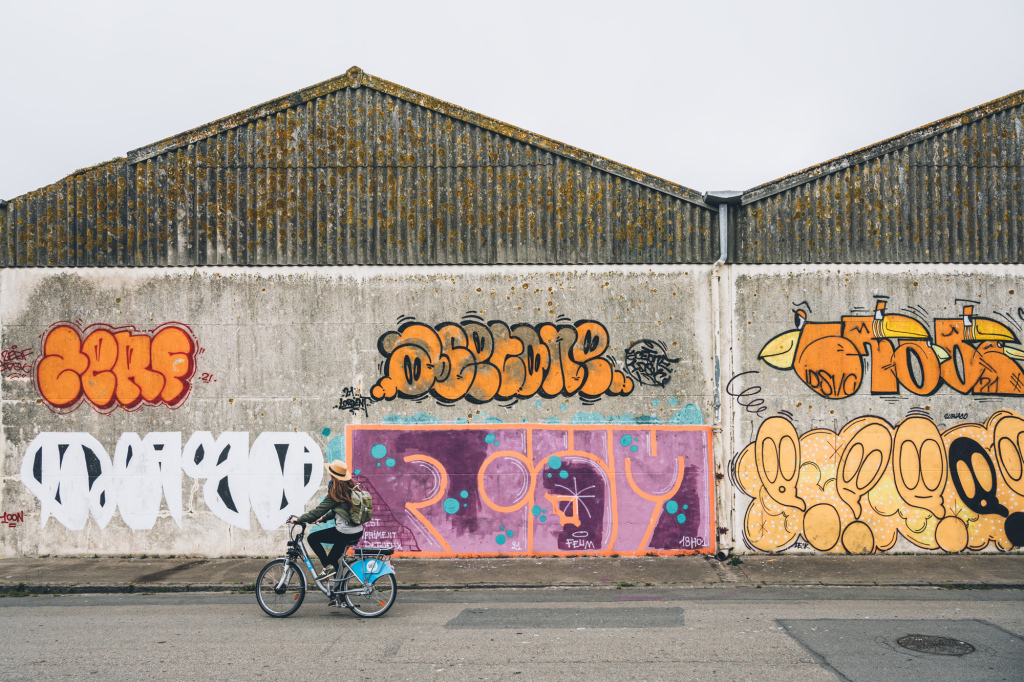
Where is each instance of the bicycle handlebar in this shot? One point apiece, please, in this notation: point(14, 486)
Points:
point(300, 525)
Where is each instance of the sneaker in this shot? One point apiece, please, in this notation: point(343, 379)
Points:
point(326, 573)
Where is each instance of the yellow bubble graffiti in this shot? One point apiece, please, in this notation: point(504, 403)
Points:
point(872, 485)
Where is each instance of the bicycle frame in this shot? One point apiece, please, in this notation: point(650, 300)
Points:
point(366, 569)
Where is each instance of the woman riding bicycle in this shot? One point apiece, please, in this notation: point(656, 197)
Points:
point(336, 507)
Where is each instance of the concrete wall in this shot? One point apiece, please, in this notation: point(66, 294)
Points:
point(857, 434)
point(490, 410)
point(517, 410)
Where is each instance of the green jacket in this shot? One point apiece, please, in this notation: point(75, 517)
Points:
point(339, 511)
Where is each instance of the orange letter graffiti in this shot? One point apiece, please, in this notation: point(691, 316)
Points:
point(481, 362)
point(115, 367)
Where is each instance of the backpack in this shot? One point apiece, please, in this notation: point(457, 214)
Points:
point(362, 506)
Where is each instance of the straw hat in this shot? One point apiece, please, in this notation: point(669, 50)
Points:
point(338, 470)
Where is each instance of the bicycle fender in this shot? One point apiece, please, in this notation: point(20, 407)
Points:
point(368, 570)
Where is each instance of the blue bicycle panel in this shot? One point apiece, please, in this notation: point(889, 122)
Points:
point(368, 570)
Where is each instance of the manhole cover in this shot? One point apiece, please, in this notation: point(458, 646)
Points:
point(943, 646)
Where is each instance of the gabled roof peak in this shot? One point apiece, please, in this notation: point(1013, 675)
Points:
point(355, 77)
point(886, 146)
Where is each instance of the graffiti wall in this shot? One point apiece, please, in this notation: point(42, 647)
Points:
point(535, 489)
point(875, 411)
point(515, 411)
point(521, 412)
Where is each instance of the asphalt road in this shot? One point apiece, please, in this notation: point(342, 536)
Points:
point(533, 634)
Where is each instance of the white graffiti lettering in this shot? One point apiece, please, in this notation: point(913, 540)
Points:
point(146, 469)
point(70, 473)
point(73, 476)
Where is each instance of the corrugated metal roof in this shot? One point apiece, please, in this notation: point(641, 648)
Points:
point(357, 170)
point(948, 192)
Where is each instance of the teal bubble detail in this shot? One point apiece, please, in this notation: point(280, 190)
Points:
point(549, 475)
point(536, 511)
point(390, 461)
point(633, 448)
point(681, 518)
point(690, 414)
point(509, 533)
point(563, 474)
point(543, 519)
point(686, 506)
point(326, 432)
point(673, 401)
point(565, 407)
point(501, 527)
point(418, 418)
point(500, 539)
point(464, 494)
point(464, 505)
point(489, 438)
point(626, 440)
point(588, 418)
point(336, 449)
point(378, 451)
point(493, 420)
point(451, 506)
point(671, 506)
point(356, 472)
point(555, 462)
point(496, 443)
point(655, 403)
point(538, 403)
point(552, 420)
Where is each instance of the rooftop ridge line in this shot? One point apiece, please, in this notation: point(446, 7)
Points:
point(882, 148)
point(356, 77)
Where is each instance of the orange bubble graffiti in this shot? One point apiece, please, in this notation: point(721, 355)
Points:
point(969, 354)
point(483, 362)
point(115, 367)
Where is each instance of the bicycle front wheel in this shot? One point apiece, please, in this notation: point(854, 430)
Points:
point(280, 588)
point(372, 599)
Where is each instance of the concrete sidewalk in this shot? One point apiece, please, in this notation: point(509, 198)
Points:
point(163, 574)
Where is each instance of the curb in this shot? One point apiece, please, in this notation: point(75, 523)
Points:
point(26, 589)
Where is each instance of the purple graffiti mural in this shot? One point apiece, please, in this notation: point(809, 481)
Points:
point(537, 489)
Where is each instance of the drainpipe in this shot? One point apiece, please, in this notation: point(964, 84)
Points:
point(723, 200)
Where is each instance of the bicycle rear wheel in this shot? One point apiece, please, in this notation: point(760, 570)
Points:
point(378, 597)
point(280, 588)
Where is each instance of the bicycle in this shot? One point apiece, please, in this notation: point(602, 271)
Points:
point(367, 585)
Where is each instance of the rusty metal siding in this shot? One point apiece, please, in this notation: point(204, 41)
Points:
point(353, 176)
point(79, 221)
point(967, 192)
point(952, 195)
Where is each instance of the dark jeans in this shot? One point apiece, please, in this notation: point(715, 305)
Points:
point(331, 536)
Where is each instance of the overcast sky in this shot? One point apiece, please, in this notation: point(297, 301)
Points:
point(712, 95)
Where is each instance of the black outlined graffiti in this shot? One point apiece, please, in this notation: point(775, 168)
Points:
point(353, 401)
point(489, 361)
point(755, 406)
point(648, 363)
